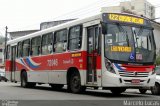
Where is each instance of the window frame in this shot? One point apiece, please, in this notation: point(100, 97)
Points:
point(80, 37)
point(46, 44)
point(66, 40)
point(31, 46)
point(19, 55)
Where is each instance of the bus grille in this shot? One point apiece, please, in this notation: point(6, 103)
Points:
point(134, 74)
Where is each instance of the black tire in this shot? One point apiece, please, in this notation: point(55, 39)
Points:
point(74, 85)
point(56, 86)
point(142, 91)
point(24, 80)
point(156, 89)
point(117, 91)
point(5, 79)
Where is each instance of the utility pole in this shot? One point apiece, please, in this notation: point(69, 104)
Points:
point(5, 44)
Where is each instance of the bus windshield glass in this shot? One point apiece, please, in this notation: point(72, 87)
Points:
point(129, 44)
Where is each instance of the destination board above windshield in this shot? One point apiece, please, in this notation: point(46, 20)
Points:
point(122, 18)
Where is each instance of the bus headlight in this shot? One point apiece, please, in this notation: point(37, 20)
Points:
point(109, 67)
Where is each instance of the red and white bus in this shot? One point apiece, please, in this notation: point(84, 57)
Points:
point(110, 50)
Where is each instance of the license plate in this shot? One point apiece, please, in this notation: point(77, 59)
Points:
point(135, 81)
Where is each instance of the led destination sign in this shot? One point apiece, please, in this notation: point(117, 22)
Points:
point(120, 49)
point(124, 18)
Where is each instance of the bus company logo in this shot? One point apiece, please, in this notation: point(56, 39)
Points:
point(76, 55)
point(9, 103)
point(70, 61)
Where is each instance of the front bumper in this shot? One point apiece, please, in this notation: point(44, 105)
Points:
point(114, 80)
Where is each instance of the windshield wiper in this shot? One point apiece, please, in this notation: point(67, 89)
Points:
point(127, 39)
point(135, 37)
point(139, 32)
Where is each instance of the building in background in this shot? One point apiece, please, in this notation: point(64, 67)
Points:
point(139, 7)
point(2, 39)
point(43, 25)
point(16, 34)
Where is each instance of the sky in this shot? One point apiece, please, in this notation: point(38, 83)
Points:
point(28, 14)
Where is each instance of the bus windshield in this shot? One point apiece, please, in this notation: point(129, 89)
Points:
point(129, 44)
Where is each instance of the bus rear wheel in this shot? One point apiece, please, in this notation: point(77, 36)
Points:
point(75, 84)
point(24, 79)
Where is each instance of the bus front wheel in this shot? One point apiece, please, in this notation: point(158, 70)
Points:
point(156, 89)
point(75, 83)
point(24, 79)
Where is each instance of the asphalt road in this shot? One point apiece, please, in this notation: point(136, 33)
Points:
point(42, 94)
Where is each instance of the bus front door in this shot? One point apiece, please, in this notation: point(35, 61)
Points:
point(13, 62)
point(92, 42)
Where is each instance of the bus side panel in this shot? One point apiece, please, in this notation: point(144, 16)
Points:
point(62, 62)
point(52, 68)
point(39, 69)
point(99, 70)
point(21, 64)
point(18, 76)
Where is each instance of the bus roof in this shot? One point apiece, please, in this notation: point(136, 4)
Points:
point(55, 28)
point(65, 25)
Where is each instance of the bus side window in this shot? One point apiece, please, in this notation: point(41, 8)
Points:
point(19, 49)
point(75, 38)
point(47, 44)
point(60, 41)
point(35, 46)
point(26, 48)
